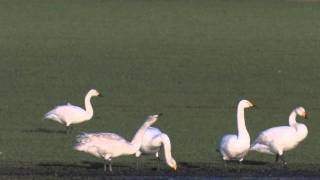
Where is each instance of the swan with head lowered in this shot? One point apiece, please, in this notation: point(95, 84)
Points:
point(153, 139)
point(110, 145)
point(69, 114)
point(279, 139)
point(236, 146)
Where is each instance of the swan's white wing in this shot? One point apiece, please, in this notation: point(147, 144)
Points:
point(233, 148)
point(261, 148)
point(151, 141)
point(100, 144)
point(99, 138)
point(67, 113)
point(275, 140)
point(227, 142)
point(153, 131)
point(150, 135)
point(279, 134)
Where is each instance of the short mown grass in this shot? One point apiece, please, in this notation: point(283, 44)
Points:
point(191, 60)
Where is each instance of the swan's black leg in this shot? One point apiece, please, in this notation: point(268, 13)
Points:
point(67, 130)
point(281, 157)
point(137, 163)
point(105, 166)
point(277, 158)
point(239, 166)
point(110, 166)
point(71, 129)
point(283, 160)
point(158, 163)
point(225, 163)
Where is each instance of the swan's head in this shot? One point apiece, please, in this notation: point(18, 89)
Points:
point(172, 163)
point(246, 104)
point(94, 92)
point(301, 112)
point(152, 119)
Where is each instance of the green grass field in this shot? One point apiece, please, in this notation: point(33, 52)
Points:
point(191, 60)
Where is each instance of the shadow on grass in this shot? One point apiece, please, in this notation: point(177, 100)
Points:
point(43, 130)
point(84, 165)
point(57, 164)
point(94, 170)
point(188, 165)
point(98, 165)
point(255, 163)
point(246, 162)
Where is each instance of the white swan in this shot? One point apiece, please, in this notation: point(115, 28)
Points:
point(276, 140)
point(69, 114)
point(110, 145)
point(236, 146)
point(152, 141)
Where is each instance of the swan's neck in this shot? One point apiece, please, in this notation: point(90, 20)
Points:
point(88, 106)
point(136, 142)
point(242, 130)
point(167, 148)
point(292, 118)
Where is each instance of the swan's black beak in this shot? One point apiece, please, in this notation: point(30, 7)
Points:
point(306, 116)
point(100, 95)
point(160, 114)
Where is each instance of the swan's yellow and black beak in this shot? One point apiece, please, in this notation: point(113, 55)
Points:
point(174, 167)
point(250, 105)
point(305, 115)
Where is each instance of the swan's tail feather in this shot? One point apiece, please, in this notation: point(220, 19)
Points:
point(51, 115)
point(82, 137)
point(80, 142)
point(261, 148)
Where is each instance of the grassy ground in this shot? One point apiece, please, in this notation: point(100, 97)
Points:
point(191, 60)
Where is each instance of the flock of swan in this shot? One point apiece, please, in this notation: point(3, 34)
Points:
point(274, 141)
point(149, 140)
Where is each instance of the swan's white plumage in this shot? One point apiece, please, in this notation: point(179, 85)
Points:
point(152, 141)
point(99, 143)
point(69, 114)
point(237, 146)
point(279, 139)
point(110, 145)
